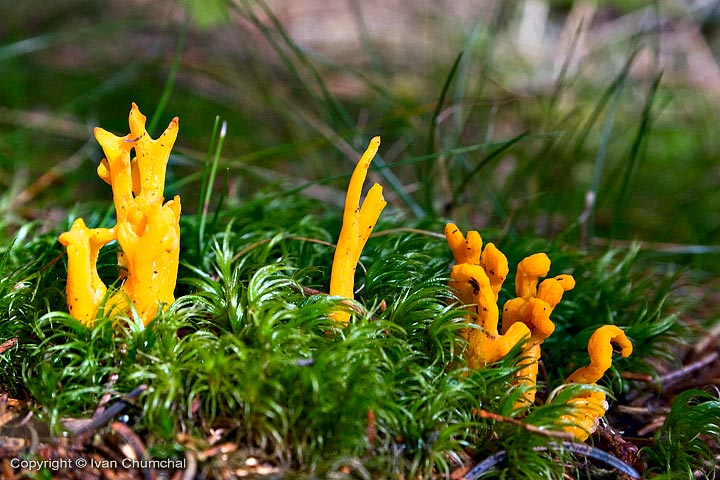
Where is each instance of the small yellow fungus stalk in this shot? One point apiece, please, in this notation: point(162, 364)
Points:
point(533, 307)
point(147, 230)
point(589, 407)
point(358, 223)
point(85, 290)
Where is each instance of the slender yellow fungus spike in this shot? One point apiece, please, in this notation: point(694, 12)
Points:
point(358, 223)
point(603, 342)
point(589, 407)
point(85, 290)
point(115, 170)
point(477, 278)
point(529, 270)
point(147, 230)
point(495, 264)
point(465, 250)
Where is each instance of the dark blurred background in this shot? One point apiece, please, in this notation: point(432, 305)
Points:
point(593, 121)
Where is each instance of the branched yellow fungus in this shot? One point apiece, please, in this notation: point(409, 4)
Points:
point(358, 223)
point(85, 290)
point(147, 230)
point(477, 278)
point(589, 407)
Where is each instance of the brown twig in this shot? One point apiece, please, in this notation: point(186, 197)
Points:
point(371, 434)
point(638, 377)
point(688, 369)
point(527, 426)
point(8, 344)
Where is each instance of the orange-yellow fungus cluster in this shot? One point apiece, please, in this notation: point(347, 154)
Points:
point(147, 230)
point(358, 223)
point(477, 278)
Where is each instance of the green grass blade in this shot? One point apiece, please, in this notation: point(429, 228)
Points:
point(612, 97)
point(427, 173)
point(504, 146)
point(207, 186)
point(633, 164)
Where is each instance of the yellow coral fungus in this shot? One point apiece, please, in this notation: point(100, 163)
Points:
point(590, 406)
point(358, 223)
point(147, 230)
point(477, 278)
point(601, 346)
point(85, 290)
point(464, 250)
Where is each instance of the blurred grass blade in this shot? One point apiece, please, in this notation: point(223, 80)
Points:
point(611, 99)
point(335, 112)
point(560, 82)
point(427, 172)
point(209, 173)
point(488, 158)
point(25, 46)
point(170, 82)
point(643, 131)
point(440, 102)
